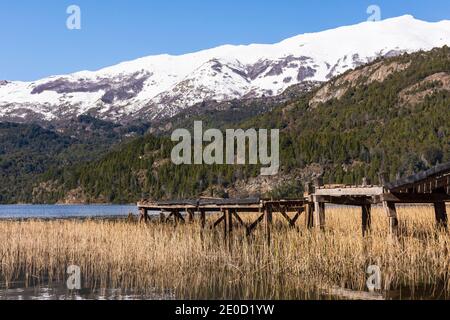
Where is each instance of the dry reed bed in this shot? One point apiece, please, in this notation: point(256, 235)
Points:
point(183, 262)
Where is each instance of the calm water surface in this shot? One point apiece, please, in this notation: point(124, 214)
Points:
point(65, 211)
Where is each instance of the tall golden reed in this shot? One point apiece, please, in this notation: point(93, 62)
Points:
point(183, 262)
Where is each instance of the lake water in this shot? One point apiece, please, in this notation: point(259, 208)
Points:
point(59, 291)
point(65, 211)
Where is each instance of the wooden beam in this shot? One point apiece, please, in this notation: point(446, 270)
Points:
point(255, 224)
point(171, 214)
point(238, 218)
point(319, 214)
point(268, 220)
point(391, 212)
point(352, 191)
point(143, 215)
point(297, 215)
point(178, 217)
point(347, 200)
point(218, 221)
point(283, 212)
point(366, 219)
point(441, 215)
point(190, 214)
point(203, 218)
point(415, 197)
point(447, 187)
point(230, 221)
point(309, 218)
point(225, 227)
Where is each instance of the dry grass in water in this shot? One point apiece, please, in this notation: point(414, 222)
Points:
point(183, 263)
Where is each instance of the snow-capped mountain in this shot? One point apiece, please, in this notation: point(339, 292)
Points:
point(160, 86)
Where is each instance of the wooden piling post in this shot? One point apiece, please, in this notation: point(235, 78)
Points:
point(309, 208)
point(319, 215)
point(366, 219)
point(190, 214)
point(143, 215)
point(230, 228)
point(203, 218)
point(268, 224)
point(176, 217)
point(225, 228)
point(319, 207)
point(230, 221)
point(441, 215)
point(309, 218)
point(391, 212)
point(162, 217)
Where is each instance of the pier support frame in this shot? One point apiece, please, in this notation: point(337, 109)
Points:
point(225, 224)
point(190, 213)
point(143, 215)
point(309, 217)
point(319, 214)
point(366, 218)
point(203, 218)
point(441, 215)
point(268, 224)
point(252, 226)
point(391, 212)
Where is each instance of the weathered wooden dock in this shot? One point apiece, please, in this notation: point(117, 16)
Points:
point(432, 186)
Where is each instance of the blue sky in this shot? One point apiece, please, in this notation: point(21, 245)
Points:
point(34, 40)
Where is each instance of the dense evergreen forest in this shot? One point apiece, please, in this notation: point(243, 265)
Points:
point(28, 151)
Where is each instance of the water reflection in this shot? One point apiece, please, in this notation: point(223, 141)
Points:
point(60, 292)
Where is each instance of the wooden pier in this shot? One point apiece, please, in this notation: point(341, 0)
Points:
point(432, 186)
point(230, 212)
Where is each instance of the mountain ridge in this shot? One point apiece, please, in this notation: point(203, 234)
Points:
point(159, 87)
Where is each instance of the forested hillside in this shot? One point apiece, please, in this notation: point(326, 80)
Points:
point(27, 151)
point(392, 116)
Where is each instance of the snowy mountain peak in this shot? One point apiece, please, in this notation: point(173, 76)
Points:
point(160, 86)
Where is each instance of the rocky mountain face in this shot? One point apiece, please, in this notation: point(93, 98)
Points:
point(159, 87)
